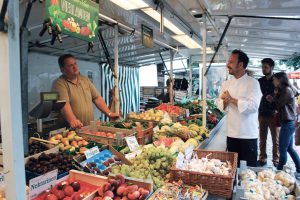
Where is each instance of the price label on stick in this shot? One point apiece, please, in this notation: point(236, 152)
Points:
point(189, 152)
point(91, 152)
point(180, 160)
point(132, 143)
point(155, 129)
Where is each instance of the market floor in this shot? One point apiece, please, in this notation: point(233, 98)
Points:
point(219, 143)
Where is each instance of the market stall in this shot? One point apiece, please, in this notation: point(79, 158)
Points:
point(156, 154)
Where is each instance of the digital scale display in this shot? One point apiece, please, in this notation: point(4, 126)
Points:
point(49, 96)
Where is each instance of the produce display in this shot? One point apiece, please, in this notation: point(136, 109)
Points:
point(153, 163)
point(125, 124)
point(214, 115)
point(36, 147)
point(149, 115)
point(70, 189)
point(70, 141)
point(179, 191)
point(208, 166)
point(118, 189)
point(101, 163)
point(171, 109)
point(184, 132)
point(267, 184)
point(48, 162)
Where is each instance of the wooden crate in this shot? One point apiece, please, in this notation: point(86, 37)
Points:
point(141, 183)
point(80, 158)
point(88, 134)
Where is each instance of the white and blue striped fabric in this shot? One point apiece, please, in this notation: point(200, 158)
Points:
point(129, 88)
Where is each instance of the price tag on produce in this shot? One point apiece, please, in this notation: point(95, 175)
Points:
point(189, 152)
point(1, 180)
point(132, 155)
point(180, 160)
point(132, 143)
point(155, 129)
point(187, 112)
point(41, 183)
point(91, 152)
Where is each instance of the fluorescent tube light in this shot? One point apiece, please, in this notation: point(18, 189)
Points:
point(156, 15)
point(187, 41)
point(130, 4)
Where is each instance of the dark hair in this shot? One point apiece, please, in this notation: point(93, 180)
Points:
point(62, 58)
point(268, 61)
point(242, 57)
point(283, 77)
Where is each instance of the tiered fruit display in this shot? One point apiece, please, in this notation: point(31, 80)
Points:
point(153, 163)
point(214, 115)
point(70, 141)
point(116, 188)
point(199, 133)
point(170, 109)
point(150, 115)
point(70, 189)
point(48, 162)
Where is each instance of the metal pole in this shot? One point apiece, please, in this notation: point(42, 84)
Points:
point(204, 70)
point(11, 111)
point(116, 78)
point(24, 35)
point(190, 64)
point(171, 92)
point(132, 30)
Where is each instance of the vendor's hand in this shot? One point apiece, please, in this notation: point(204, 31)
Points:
point(114, 116)
point(269, 98)
point(76, 123)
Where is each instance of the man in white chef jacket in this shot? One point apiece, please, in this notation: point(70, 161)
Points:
point(239, 98)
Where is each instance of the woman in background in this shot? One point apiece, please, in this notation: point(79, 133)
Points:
point(285, 100)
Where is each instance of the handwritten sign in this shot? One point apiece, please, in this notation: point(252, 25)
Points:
point(91, 152)
point(189, 152)
point(41, 183)
point(187, 112)
point(132, 143)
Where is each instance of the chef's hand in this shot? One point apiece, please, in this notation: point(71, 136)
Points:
point(269, 98)
point(76, 123)
point(226, 97)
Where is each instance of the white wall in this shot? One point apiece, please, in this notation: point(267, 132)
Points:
point(43, 70)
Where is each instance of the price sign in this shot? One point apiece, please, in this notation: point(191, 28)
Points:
point(180, 160)
point(41, 183)
point(187, 112)
point(91, 152)
point(155, 129)
point(132, 143)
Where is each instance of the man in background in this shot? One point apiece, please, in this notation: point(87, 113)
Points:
point(267, 114)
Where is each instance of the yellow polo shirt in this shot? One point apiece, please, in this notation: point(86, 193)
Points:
point(80, 96)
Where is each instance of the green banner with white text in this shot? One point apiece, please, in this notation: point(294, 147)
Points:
point(77, 18)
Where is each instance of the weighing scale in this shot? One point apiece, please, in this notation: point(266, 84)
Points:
point(48, 102)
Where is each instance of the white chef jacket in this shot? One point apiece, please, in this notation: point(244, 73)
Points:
point(242, 120)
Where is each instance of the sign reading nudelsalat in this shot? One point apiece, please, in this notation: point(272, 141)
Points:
point(77, 18)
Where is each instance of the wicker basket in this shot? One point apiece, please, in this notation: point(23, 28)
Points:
point(220, 185)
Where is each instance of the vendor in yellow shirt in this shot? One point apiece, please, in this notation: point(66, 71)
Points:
point(79, 94)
